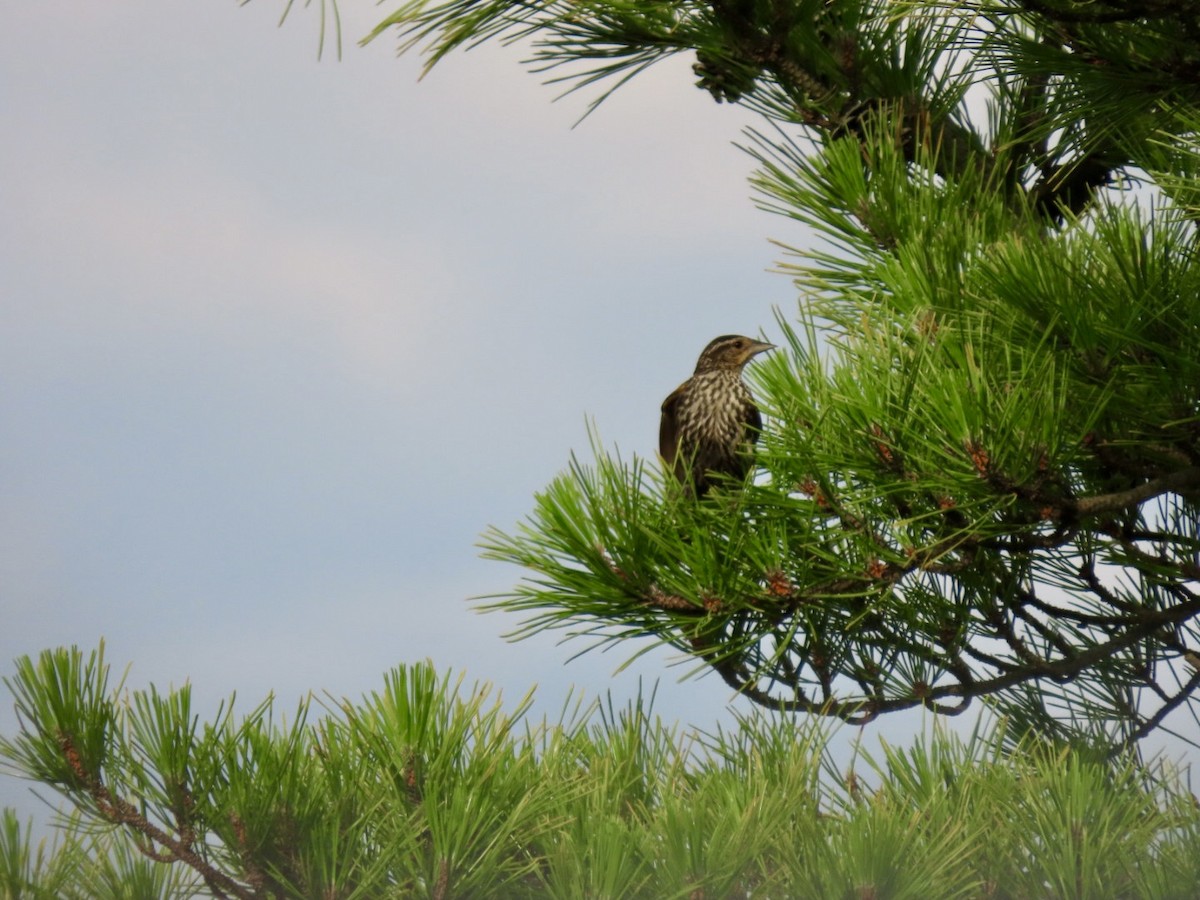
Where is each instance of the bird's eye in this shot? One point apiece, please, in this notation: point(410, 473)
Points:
point(739, 344)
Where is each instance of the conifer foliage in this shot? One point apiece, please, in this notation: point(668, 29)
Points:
point(979, 473)
point(432, 788)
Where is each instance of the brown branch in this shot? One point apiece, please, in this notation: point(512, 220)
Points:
point(1141, 624)
point(1178, 482)
point(1087, 572)
point(831, 100)
point(1049, 634)
point(1186, 570)
point(988, 659)
point(1077, 616)
point(1152, 620)
point(1185, 692)
point(120, 811)
point(1144, 10)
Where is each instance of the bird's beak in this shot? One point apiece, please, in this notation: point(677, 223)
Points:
point(757, 347)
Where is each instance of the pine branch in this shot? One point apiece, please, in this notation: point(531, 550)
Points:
point(1086, 13)
point(119, 811)
point(1178, 482)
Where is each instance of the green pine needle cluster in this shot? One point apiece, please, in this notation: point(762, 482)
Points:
point(432, 788)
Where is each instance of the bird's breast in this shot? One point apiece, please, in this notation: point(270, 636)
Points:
point(717, 407)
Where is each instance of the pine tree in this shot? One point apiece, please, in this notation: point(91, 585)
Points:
point(981, 463)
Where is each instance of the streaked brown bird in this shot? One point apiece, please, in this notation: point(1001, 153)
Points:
point(710, 422)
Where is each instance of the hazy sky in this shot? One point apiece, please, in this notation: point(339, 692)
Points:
point(280, 338)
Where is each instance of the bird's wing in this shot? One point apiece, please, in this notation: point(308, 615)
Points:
point(668, 426)
point(753, 423)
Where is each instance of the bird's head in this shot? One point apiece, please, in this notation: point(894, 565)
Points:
point(730, 351)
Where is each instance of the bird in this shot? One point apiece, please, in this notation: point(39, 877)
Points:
point(710, 423)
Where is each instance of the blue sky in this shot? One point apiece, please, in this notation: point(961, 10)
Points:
point(280, 338)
